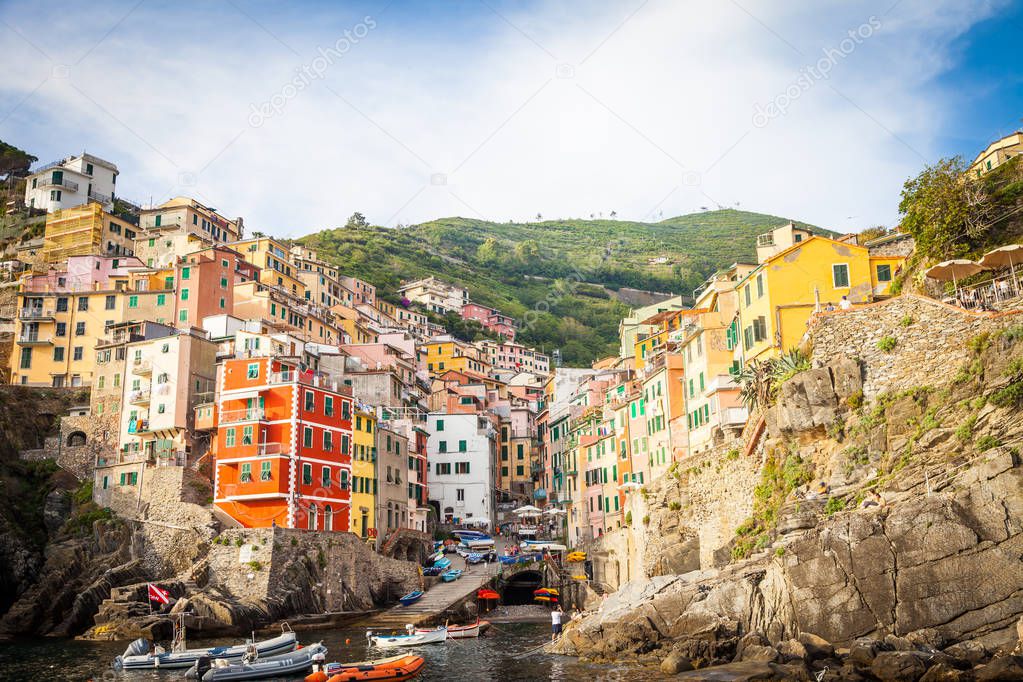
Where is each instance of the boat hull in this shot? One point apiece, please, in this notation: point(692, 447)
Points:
point(282, 644)
point(284, 665)
point(398, 668)
point(431, 637)
point(462, 631)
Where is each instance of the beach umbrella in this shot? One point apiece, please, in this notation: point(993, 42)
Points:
point(526, 510)
point(1004, 256)
point(554, 511)
point(954, 270)
point(630, 485)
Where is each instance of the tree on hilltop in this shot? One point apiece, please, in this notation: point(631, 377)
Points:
point(357, 220)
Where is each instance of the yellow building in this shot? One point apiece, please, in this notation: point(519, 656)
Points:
point(85, 231)
point(189, 214)
point(63, 315)
point(777, 298)
point(364, 474)
point(446, 353)
point(274, 261)
point(997, 153)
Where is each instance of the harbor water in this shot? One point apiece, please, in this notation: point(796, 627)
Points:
point(497, 656)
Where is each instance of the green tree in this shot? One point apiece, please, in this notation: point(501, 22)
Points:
point(14, 161)
point(357, 220)
point(488, 252)
point(944, 210)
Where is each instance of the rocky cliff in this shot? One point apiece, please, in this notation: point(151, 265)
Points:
point(881, 512)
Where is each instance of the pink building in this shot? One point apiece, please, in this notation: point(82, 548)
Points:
point(84, 273)
point(514, 357)
point(491, 319)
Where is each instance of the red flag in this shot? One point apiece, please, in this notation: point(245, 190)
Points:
point(158, 594)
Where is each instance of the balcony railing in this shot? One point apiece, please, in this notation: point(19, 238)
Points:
point(101, 198)
point(34, 338)
point(254, 414)
point(269, 449)
point(50, 181)
point(734, 416)
point(140, 366)
point(35, 314)
point(140, 397)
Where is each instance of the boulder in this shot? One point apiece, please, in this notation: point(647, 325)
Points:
point(943, 672)
point(898, 666)
point(926, 639)
point(816, 647)
point(896, 643)
point(792, 650)
point(756, 652)
point(1001, 668)
point(754, 638)
point(863, 651)
point(674, 663)
point(972, 652)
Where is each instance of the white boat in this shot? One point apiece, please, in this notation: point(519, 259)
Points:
point(282, 665)
point(413, 638)
point(138, 657)
point(542, 546)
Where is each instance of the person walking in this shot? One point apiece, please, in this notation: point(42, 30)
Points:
point(556, 615)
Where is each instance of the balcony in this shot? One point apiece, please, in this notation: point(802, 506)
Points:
point(140, 397)
point(35, 314)
point(254, 414)
point(50, 181)
point(35, 340)
point(101, 198)
point(734, 416)
point(141, 366)
point(269, 449)
point(140, 426)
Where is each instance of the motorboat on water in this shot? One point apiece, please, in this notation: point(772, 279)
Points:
point(139, 657)
point(411, 638)
point(257, 668)
point(462, 631)
point(392, 669)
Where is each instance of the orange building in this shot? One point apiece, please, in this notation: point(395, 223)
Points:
point(282, 446)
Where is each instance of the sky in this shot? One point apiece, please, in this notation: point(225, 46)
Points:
point(295, 115)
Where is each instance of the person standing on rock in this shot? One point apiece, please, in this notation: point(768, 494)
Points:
point(556, 622)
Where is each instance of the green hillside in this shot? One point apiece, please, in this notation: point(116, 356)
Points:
point(531, 270)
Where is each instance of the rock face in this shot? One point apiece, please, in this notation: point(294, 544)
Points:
point(890, 527)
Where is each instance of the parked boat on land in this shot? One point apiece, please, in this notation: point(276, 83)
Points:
point(411, 598)
point(210, 669)
point(442, 563)
point(410, 639)
point(138, 657)
point(451, 575)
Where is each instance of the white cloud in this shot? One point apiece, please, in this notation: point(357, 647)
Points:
point(656, 114)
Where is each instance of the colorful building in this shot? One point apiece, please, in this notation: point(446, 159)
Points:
point(86, 230)
point(183, 212)
point(365, 484)
point(282, 446)
point(777, 298)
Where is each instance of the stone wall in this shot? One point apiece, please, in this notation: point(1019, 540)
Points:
point(313, 572)
point(930, 333)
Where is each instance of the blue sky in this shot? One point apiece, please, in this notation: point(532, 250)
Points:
point(295, 115)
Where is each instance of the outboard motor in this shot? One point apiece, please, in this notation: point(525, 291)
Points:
point(139, 647)
point(199, 668)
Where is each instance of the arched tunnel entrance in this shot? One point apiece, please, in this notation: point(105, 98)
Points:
point(519, 588)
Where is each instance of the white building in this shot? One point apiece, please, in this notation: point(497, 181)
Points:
point(462, 457)
point(70, 182)
point(437, 296)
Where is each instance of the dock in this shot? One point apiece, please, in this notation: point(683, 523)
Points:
point(438, 599)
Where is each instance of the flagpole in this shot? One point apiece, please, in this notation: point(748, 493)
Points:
point(149, 598)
